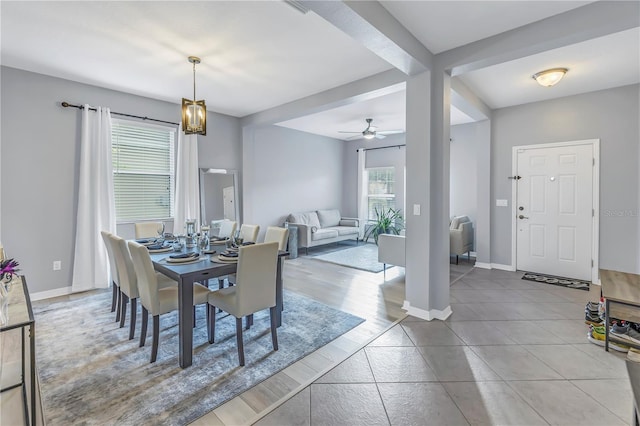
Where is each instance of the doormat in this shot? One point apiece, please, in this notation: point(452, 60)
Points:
point(561, 281)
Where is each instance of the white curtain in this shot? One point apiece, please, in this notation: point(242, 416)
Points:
point(187, 182)
point(96, 205)
point(362, 191)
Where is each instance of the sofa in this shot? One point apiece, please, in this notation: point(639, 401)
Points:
point(321, 227)
point(460, 236)
point(391, 250)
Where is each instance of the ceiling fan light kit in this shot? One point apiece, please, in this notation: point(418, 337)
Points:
point(372, 131)
point(194, 113)
point(550, 77)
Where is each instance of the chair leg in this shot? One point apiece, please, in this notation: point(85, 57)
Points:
point(132, 325)
point(384, 271)
point(194, 317)
point(118, 303)
point(456, 259)
point(156, 336)
point(114, 296)
point(211, 324)
point(123, 310)
point(249, 321)
point(143, 326)
point(274, 327)
point(239, 341)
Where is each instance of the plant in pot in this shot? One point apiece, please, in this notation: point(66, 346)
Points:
point(388, 221)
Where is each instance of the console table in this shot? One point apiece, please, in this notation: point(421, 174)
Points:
point(20, 315)
point(621, 291)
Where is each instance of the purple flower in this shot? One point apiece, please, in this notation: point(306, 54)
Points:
point(8, 267)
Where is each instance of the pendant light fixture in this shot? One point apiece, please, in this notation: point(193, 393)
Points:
point(194, 113)
point(548, 78)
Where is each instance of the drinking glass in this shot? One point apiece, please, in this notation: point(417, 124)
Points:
point(160, 230)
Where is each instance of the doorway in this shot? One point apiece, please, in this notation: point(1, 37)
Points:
point(555, 212)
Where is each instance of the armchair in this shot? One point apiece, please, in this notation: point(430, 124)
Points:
point(460, 236)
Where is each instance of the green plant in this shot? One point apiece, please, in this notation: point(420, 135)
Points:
point(388, 221)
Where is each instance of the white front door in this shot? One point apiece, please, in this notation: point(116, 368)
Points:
point(228, 203)
point(554, 210)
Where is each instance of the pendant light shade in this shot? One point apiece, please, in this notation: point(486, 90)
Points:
point(548, 78)
point(194, 113)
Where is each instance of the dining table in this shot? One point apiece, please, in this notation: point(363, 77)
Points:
point(205, 268)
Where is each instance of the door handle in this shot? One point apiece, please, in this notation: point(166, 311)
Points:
point(522, 217)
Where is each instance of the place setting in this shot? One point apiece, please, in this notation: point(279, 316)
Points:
point(230, 255)
point(183, 258)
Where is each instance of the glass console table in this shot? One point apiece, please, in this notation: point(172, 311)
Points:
point(19, 315)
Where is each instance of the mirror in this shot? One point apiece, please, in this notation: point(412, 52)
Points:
point(218, 196)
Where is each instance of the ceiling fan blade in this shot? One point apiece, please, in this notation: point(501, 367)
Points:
point(380, 136)
point(390, 132)
point(340, 131)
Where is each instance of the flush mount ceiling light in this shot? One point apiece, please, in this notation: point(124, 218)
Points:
point(194, 113)
point(548, 78)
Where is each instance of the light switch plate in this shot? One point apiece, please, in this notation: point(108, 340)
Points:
point(502, 203)
point(416, 209)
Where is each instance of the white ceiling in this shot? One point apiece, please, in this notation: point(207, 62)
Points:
point(258, 55)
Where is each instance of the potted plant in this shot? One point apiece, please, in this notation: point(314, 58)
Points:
point(388, 221)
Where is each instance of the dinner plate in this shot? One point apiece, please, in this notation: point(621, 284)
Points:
point(183, 260)
point(227, 259)
point(218, 242)
point(162, 250)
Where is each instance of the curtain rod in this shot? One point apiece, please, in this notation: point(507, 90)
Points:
point(381, 147)
point(67, 105)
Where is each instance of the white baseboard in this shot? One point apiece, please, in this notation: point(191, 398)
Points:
point(427, 315)
point(494, 266)
point(41, 295)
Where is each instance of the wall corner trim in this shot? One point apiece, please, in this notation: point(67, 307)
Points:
point(482, 265)
point(427, 315)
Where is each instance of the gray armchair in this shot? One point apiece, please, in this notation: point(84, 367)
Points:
point(460, 236)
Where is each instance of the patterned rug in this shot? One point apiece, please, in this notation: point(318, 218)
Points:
point(363, 257)
point(90, 373)
point(552, 279)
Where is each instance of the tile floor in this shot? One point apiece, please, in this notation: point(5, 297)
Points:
point(514, 352)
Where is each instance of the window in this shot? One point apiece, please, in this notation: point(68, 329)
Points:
point(380, 189)
point(143, 170)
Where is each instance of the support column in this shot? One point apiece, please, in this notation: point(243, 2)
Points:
point(427, 250)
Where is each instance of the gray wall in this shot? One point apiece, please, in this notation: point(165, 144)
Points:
point(465, 146)
point(395, 157)
point(39, 165)
point(289, 171)
point(609, 115)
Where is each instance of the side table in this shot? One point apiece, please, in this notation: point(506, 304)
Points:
point(621, 292)
point(20, 315)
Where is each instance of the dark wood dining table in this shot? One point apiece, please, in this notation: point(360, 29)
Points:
point(189, 273)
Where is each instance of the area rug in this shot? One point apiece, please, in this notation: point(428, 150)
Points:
point(554, 280)
point(363, 257)
point(90, 373)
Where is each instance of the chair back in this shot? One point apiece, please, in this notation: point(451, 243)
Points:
point(146, 275)
point(112, 260)
point(249, 233)
point(147, 229)
point(128, 280)
point(227, 228)
point(279, 235)
point(256, 278)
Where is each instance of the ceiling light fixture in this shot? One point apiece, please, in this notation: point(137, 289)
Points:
point(194, 113)
point(548, 78)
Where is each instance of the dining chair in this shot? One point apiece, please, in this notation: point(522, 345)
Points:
point(227, 228)
point(116, 295)
point(254, 291)
point(277, 234)
point(147, 229)
point(154, 299)
point(249, 233)
point(2, 254)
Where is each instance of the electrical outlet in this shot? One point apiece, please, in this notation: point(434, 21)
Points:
point(57, 265)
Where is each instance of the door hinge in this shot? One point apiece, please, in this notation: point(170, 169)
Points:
point(592, 263)
point(593, 212)
point(594, 162)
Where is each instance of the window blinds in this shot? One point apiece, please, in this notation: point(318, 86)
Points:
point(143, 170)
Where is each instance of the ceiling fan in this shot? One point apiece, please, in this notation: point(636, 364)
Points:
point(372, 131)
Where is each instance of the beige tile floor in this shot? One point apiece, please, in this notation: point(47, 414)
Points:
point(514, 352)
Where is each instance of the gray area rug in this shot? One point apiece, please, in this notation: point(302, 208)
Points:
point(363, 257)
point(90, 373)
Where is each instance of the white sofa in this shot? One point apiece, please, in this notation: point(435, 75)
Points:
point(320, 227)
point(391, 250)
point(460, 236)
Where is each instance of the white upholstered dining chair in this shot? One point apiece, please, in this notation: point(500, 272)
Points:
point(116, 295)
point(227, 228)
point(249, 233)
point(277, 234)
point(254, 291)
point(147, 229)
point(154, 299)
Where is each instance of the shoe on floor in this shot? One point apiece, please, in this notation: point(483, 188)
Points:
point(624, 332)
point(592, 319)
